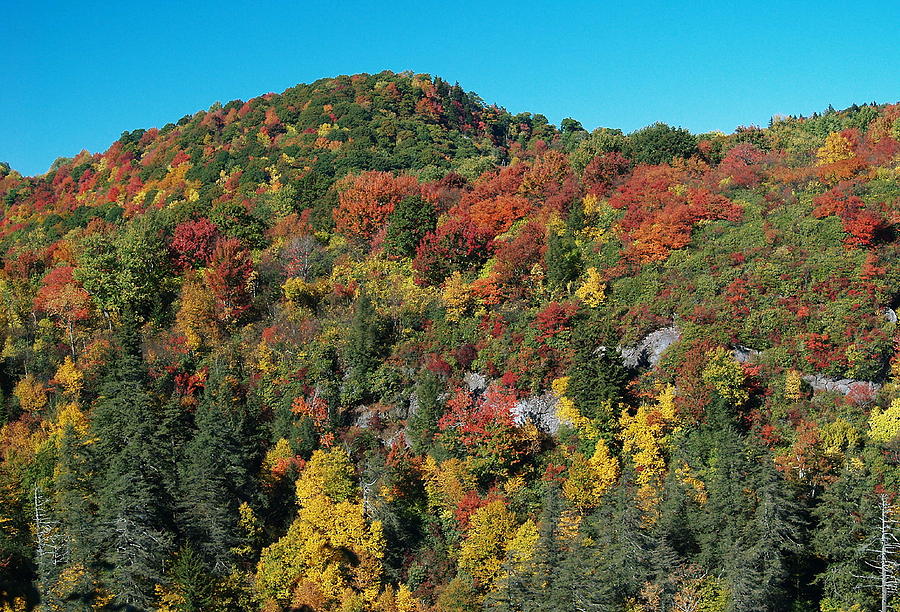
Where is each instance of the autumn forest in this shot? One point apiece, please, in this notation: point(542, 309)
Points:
point(372, 344)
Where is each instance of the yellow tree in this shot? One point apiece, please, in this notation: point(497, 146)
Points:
point(884, 425)
point(836, 148)
point(589, 479)
point(725, 375)
point(31, 393)
point(644, 439)
point(330, 553)
point(593, 290)
point(484, 547)
point(197, 315)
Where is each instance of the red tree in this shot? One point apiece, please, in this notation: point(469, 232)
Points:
point(64, 299)
point(365, 201)
point(229, 277)
point(193, 242)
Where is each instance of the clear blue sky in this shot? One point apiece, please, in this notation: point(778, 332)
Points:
point(76, 74)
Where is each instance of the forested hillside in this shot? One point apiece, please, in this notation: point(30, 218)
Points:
point(372, 344)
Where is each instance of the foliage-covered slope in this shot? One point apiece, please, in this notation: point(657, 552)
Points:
point(370, 344)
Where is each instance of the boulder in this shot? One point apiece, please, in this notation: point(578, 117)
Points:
point(841, 385)
point(539, 410)
point(648, 351)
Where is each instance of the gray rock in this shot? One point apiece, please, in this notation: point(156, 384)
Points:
point(648, 351)
point(364, 418)
point(890, 315)
point(840, 385)
point(476, 382)
point(538, 409)
point(413, 404)
point(745, 354)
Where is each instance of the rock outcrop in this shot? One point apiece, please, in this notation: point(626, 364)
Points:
point(540, 410)
point(844, 386)
point(647, 352)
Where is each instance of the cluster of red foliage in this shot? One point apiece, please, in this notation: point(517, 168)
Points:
point(229, 276)
point(661, 211)
point(862, 225)
point(193, 243)
point(483, 421)
point(366, 200)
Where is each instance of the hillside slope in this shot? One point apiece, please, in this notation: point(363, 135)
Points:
point(371, 344)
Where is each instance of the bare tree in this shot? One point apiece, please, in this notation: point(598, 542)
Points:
point(882, 552)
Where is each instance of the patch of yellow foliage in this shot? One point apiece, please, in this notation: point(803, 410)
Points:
point(884, 425)
point(31, 393)
point(388, 283)
point(644, 438)
point(792, 384)
point(70, 378)
point(484, 547)
point(836, 148)
point(725, 375)
point(457, 296)
point(330, 553)
point(593, 290)
point(589, 479)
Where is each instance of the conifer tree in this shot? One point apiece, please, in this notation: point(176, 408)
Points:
point(134, 525)
point(216, 474)
point(563, 261)
point(364, 346)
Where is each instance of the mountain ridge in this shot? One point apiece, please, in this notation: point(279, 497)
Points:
point(347, 347)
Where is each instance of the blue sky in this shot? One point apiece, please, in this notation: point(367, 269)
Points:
point(78, 74)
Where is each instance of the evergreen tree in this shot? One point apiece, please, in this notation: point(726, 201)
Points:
point(423, 422)
point(597, 380)
point(367, 341)
point(538, 584)
point(608, 565)
point(216, 474)
point(749, 526)
point(191, 581)
point(563, 261)
point(75, 507)
point(134, 526)
point(411, 219)
point(843, 517)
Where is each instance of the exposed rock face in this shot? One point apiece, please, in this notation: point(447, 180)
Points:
point(648, 351)
point(889, 315)
point(477, 383)
point(744, 354)
point(841, 385)
point(538, 409)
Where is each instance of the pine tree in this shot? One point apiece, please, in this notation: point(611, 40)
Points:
point(537, 585)
point(365, 345)
point(597, 380)
point(423, 422)
point(749, 526)
point(75, 507)
point(216, 474)
point(609, 562)
point(134, 520)
point(842, 518)
point(563, 261)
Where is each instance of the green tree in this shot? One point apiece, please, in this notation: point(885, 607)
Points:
point(134, 514)
point(563, 261)
point(423, 422)
point(216, 471)
point(366, 344)
point(411, 219)
point(660, 143)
